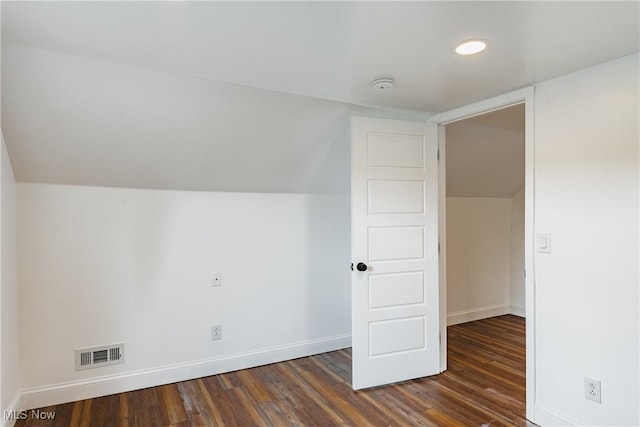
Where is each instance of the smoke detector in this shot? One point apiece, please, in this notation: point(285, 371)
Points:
point(382, 84)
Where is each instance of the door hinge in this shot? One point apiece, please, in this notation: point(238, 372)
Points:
point(438, 154)
point(438, 247)
point(525, 274)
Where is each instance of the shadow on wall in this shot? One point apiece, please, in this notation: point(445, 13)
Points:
point(328, 258)
point(329, 238)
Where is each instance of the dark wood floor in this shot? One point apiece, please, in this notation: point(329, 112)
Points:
point(484, 386)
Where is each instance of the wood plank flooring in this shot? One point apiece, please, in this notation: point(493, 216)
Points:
point(483, 386)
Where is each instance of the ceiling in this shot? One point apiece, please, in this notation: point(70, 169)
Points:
point(485, 154)
point(257, 96)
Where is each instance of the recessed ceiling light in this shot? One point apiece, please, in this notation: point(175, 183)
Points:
point(470, 47)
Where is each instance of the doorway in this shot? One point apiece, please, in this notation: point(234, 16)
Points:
point(525, 97)
point(402, 185)
point(485, 230)
point(485, 180)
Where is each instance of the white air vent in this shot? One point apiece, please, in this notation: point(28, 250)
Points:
point(88, 358)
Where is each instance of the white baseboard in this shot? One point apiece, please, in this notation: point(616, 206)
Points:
point(517, 310)
point(477, 314)
point(547, 417)
point(15, 406)
point(102, 386)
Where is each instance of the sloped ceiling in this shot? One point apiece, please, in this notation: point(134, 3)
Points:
point(485, 154)
point(257, 96)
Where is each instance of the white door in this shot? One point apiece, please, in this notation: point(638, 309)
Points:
point(394, 239)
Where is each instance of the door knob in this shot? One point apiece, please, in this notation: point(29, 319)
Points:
point(361, 266)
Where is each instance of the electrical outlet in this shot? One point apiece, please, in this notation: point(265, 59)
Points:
point(216, 279)
point(592, 389)
point(216, 332)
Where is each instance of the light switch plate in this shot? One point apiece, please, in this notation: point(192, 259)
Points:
point(543, 243)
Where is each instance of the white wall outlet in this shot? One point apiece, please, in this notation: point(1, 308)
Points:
point(592, 389)
point(216, 279)
point(216, 332)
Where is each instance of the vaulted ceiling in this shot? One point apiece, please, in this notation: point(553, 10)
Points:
point(485, 154)
point(257, 96)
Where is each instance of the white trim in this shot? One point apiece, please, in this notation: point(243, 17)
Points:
point(546, 416)
point(102, 386)
point(527, 96)
point(482, 107)
point(517, 310)
point(442, 238)
point(529, 239)
point(14, 405)
point(477, 314)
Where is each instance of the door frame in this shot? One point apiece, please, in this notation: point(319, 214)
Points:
point(521, 96)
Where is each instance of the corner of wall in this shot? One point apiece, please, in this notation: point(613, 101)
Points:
point(478, 246)
point(12, 412)
point(9, 343)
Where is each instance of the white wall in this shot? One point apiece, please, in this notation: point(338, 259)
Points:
point(478, 258)
point(517, 289)
point(586, 196)
point(9, 333)
point(104, 265)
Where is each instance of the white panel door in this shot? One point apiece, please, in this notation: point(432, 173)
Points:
point(394, 245)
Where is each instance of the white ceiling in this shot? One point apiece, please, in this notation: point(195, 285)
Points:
point(257, 96)
point(485, 154)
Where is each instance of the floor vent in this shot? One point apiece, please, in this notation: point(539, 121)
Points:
point(88, 358)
